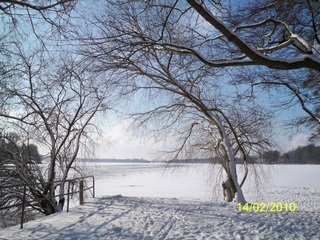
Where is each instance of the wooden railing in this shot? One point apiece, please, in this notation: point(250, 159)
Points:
point(24, 202)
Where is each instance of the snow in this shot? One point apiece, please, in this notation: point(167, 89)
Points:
point(303, 42)
point(183, 203)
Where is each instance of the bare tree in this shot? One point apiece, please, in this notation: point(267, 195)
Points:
point(16, 12)
point(51, 102)
point(48, 99)
point(194, 101)
point(29, 23)
point(264, 40)
point(268, 34)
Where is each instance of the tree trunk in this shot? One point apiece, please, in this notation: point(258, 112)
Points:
point(227, 192)
point(232, 174)
point(238, 191)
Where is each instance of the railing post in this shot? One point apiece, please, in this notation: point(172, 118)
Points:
point(23, 204)
point(68, 196)
point(94, 193)
point(81, 192)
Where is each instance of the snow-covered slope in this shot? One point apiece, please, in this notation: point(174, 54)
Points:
point(147, 216)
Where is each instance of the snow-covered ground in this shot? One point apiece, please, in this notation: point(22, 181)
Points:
point(145, 201)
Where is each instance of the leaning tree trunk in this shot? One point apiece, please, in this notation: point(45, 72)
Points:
point(232, 174)
point(238, 191)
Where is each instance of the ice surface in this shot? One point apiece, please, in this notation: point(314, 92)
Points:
point(183, 204)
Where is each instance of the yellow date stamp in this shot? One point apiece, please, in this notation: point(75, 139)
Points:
point(268, 207)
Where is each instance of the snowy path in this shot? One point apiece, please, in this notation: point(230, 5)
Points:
point(126, 218)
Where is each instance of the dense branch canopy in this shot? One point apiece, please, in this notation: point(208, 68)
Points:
point(256, 41)
point(254, 55)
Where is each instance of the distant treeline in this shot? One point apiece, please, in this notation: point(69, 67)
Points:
point(309, 154)
point(302, 155)
point(107, 160)
point(11, 151)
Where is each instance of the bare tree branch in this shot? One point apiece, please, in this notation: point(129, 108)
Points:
point(307, 61)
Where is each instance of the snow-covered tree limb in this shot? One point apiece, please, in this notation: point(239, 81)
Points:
point(305, 61)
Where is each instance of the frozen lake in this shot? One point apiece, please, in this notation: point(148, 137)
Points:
point(200, 181)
